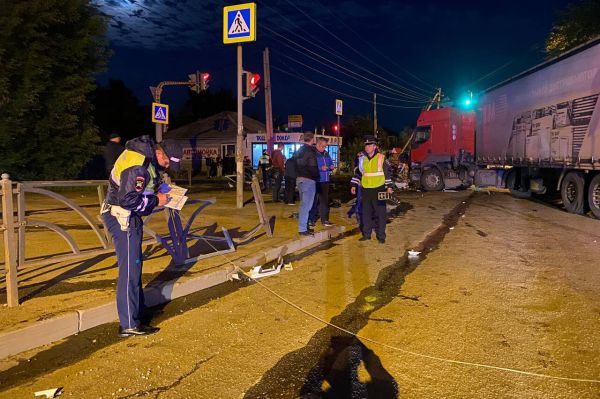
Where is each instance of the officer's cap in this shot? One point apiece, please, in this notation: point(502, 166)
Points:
point(173, 150)
point(370, 139)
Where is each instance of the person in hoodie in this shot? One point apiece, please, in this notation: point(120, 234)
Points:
point(134, 190)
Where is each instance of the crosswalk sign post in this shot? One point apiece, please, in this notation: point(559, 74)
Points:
point(239, 25)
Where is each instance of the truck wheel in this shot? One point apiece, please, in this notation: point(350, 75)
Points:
point(432, 180)
point(594, 196)
point(572, 192)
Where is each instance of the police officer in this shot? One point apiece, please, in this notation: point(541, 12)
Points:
point(373, 175)
point(134, 191)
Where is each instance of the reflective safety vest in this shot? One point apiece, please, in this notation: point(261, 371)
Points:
point(128, 159)
point(264, 160)
point(372, 171)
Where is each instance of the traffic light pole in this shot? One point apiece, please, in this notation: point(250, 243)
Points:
point(239, 150)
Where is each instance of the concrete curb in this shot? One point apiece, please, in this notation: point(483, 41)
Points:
point(51, 330)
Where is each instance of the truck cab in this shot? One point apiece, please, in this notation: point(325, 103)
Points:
point(443, 146)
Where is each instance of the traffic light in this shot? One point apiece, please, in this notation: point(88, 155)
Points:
point(336, 129)
point(204, 76)
point(468, 101)
point(199, 81)
point(252, 80)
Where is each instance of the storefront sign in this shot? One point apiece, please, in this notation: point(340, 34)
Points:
point(204, 152)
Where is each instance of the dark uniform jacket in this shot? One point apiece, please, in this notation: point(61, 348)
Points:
point(135, 177)
point(306, 162)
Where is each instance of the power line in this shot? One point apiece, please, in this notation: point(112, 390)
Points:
point(342, 93)
point(346, 83)
point(347, 45)
point(382, 54)
point(361, 77)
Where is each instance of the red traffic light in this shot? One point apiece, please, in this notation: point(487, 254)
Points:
point(205, 76)
point(254, 79)
point(335, 128)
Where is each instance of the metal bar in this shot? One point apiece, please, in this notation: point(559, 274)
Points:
point(64, 183)
point(10, 255)
point(101, 198)
point(59, 230)
point(76, 208)
point(21, 219)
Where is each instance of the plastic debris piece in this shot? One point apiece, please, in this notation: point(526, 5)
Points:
point(288, 267)
point(451, 228)
point(49, 393)
point(413, 254)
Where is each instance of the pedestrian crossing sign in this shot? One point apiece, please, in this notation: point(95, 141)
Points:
point(160, 113)
point(339, 105)
point(239, 23)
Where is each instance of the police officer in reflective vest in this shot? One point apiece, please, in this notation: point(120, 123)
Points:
point(134, 191)
point(373, 175)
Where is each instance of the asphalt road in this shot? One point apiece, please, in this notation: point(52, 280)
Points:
point(503, 301)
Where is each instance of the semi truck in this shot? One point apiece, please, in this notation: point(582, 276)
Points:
point(535, 133)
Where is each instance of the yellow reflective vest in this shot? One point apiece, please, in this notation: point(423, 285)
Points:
point(372, 171)
point(128, 159)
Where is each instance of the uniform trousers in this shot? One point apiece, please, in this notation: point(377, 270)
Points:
point(374, 214)
point(128, 246)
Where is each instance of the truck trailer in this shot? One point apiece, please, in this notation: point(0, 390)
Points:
point(535, 133)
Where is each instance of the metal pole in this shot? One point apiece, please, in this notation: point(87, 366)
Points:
point(10, 253)
point(375, 114)
point(338, 126)
point(239, 150)
point(158, 132)
point(268, 105)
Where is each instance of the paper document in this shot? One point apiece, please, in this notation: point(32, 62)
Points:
point(178, 197)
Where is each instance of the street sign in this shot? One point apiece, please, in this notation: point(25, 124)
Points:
point(160, 113)
point(339, 104)
point(239, 23)
point(294, 120)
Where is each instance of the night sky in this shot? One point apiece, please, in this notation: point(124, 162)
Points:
point(402, 50)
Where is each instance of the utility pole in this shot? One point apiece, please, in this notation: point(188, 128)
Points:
point(437, 99)
point(239, 150)
point(375, 114)
point(268, 105)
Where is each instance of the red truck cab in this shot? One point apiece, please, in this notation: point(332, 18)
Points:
point(443, 145)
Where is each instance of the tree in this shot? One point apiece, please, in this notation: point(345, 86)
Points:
point(118, 110)
point(577, 24)
point(49, 53)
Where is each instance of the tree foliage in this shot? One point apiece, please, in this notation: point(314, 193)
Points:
point(577, 24)
point(49, 53)
point(118, 110)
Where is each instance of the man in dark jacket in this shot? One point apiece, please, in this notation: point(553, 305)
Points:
point(113, 149)
point(134, 190)
point(307, 178)
point(320, 206)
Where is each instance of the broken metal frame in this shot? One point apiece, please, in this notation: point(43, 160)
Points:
point(263, 219)
point(176, 242)
point(14, 244)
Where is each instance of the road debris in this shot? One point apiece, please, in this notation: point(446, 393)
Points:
point(49, 393)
